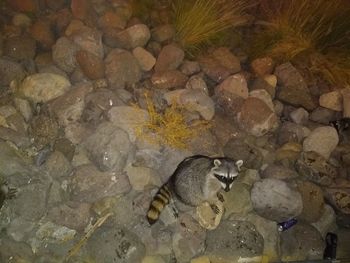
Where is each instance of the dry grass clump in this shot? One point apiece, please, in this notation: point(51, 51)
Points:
point(199, 22)
point(317, 28)
point(169, 127)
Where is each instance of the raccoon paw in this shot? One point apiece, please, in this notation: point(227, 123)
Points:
point(12, 192)
point(220, 197)
point(215, 208)
point(175, 213)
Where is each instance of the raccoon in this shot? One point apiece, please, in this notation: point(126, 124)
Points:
point(196, 179)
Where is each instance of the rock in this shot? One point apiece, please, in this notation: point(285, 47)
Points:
point(169, 79)
point(23, 5)
point(232, 240)
point(122, 69)
point(21, 20)
point(19, 229)
point(346, 102)
point(188, 239)
point(322, 115)
point(140, 177)
point(10, 70)
point(279, 205)
point(235, 85)
point(90, 40)
point(260, 83)
point(20, 47)
point(237, 149)
point(197, 100)
point(315, 168)
point(207, 218)
point(88, 184)
point(73, 215)
point(24, 108)
point(213, 69)
point(340, 199)
point(301, 242)
point(313, 204)
point(169, 58)
point(129, 119)
point(290, 132)
point(268, 230)
point(21, 251)
point(146, 59)
point(91, 65)
point(30, 202)
point(322, 140)
point(279, 172)
point(197, 82)
point(201, 259)
point(326, 222)
point(98, 103)
point(57, 165)
point(42, 33)
point(256, 118)
point(44, 130)
point(237, 200)
point(52, 233)
point(115, 244)
point(262, 66)
point(343, 241)
point(69, 107)
point(332, 100)
point(205, 143)
point(190, 67)
point(163, 33)
point(77, 132)
point(132, 37)
point(109, 147)
point(264, 96)
point(299, 116)
point(153, 259)
point(224, 56)
point(293, 88)
point(66, 147)
point(112, 19)
point(63, 54)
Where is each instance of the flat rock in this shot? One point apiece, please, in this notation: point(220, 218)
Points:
point(169, 79)
point(91, 65)
point(63, 54)
point(279, 205)
point(146, 59)
point(88, 184)
point(133, 36)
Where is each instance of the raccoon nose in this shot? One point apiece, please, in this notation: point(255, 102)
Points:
point(227, 188)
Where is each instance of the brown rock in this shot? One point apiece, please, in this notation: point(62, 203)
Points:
point(332, 100)
point(23, 5)
point(293, 88)
point(170, 58)
point(256, 117)
point(313, 203)
point(41, 32)
point(224, 56)
point(262, 66)
point(20, 47)
point(169, 79)
point(213, 69)
point(55, 4)
point(91, 65)
point(346, 102)
point(80, 8)
point(113, 20)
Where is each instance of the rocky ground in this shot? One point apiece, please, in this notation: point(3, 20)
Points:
point(73, 81)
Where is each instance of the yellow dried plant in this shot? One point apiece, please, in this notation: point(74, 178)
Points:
point(169, 127)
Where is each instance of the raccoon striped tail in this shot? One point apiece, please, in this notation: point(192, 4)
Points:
point(160, 200)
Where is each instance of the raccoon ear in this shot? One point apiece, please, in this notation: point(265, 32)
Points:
point(239, 163)
point(217, 162)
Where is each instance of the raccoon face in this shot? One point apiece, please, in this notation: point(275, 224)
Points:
point(226, 171)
